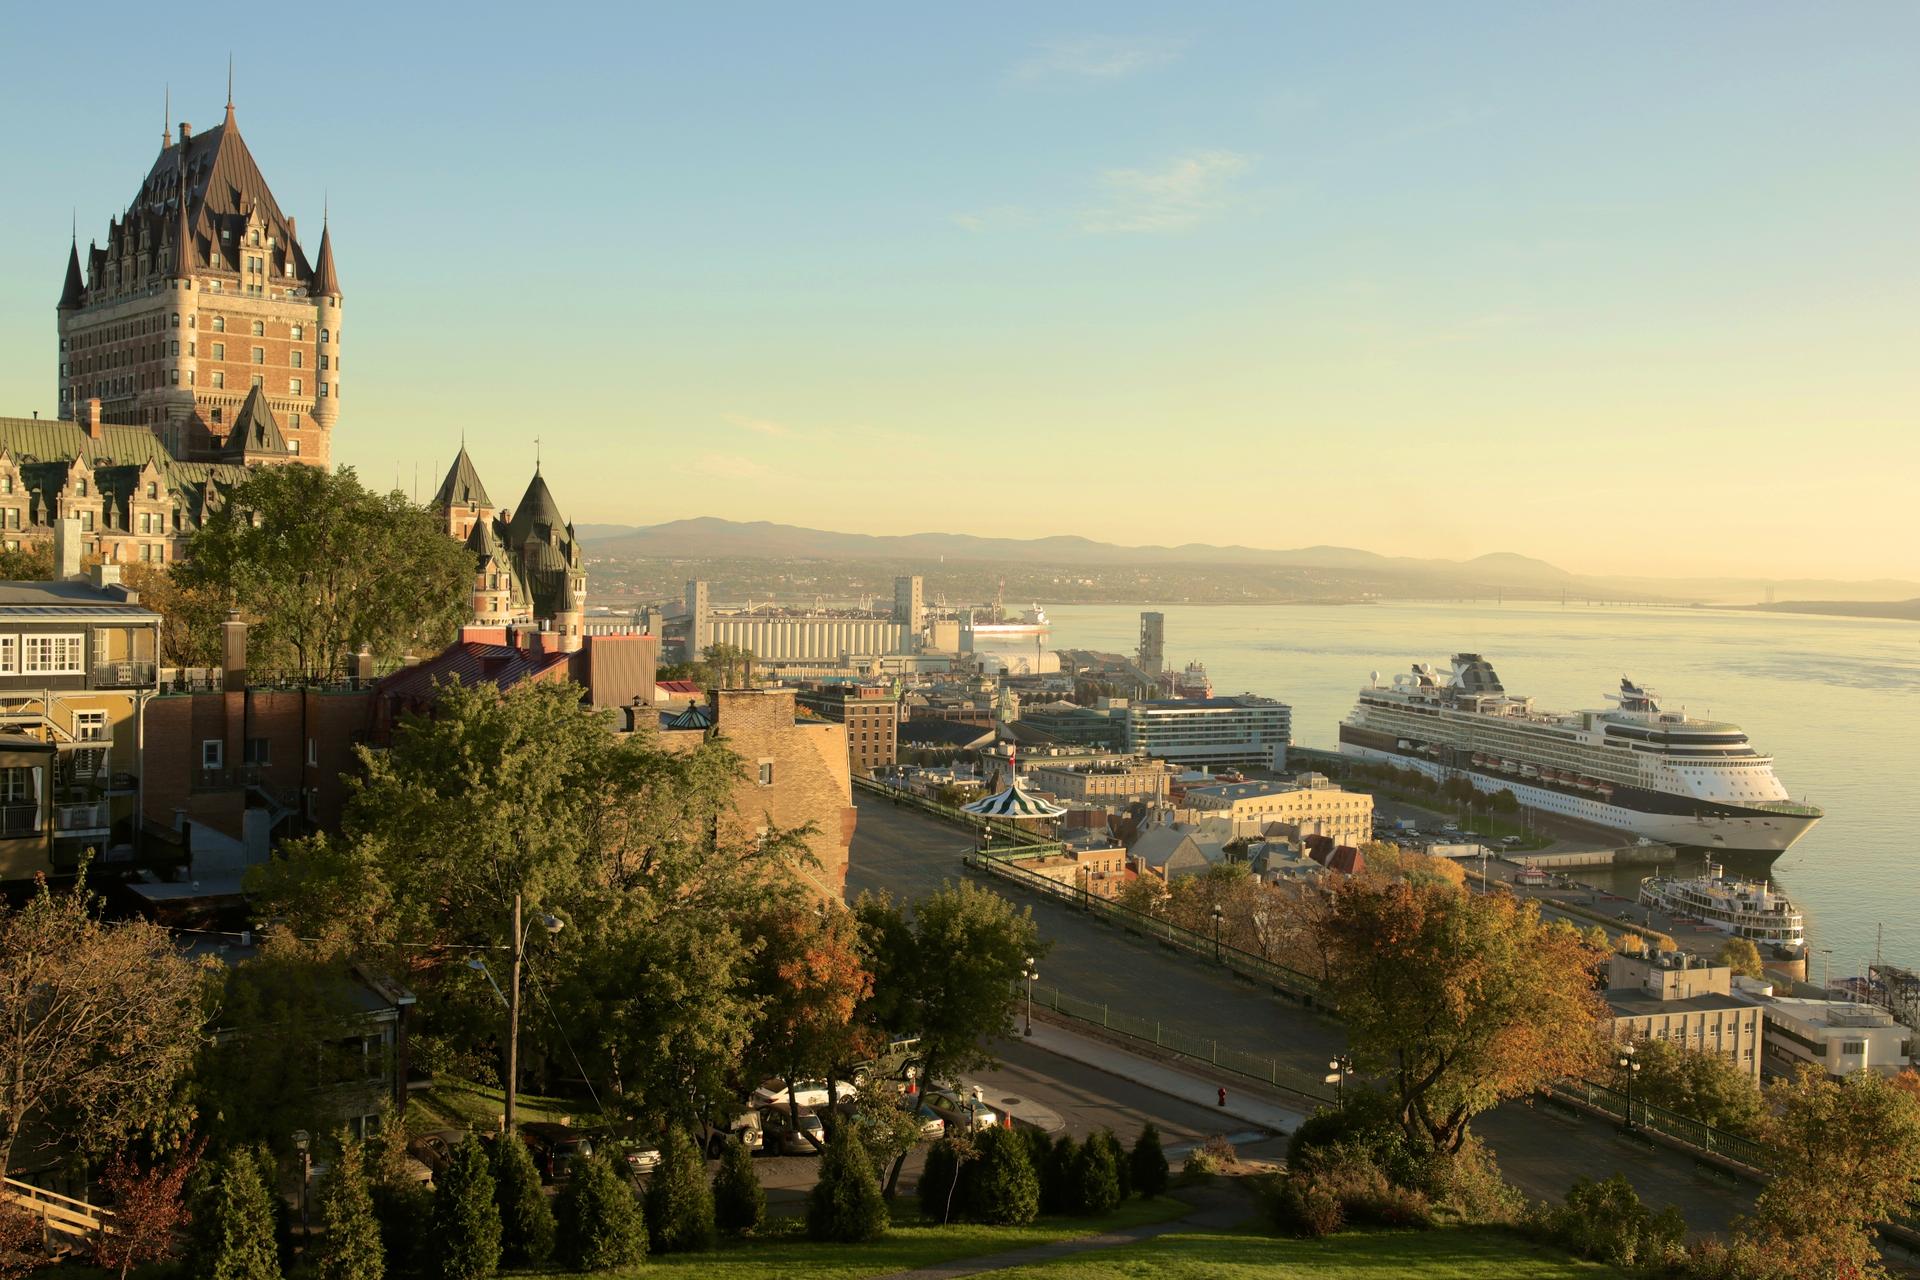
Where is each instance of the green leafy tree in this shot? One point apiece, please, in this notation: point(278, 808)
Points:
point(1059, 1179)
point(1462, 999)
point(324, 567)
point(845, 1205)
point(1740, 955)
point(30, 563)
point(526, 1219)
point(190, 615)
point(233, 1226)
point(739, 1204)
point(1849, 1157)
point(1702, 1084)
point(729, 665)
point(1096, 1177)
point(1148, 1163)
point(465, 1228)
point(1607, 1221)
point(349, 1247)
point(1121, 1168)
point(1002, 1188)
point(99, 1021)
point(679, 1201)
point(601, 1226)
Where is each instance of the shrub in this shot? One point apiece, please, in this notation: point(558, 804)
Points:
point(1039, 1155)
point(1605, 1220)
point(1096, 1178)
point(679, 1199)
point(1467, 1186)
point(526, 1219)
point(233, 1221)
point(1365, 1121)
point(1303, 1207)
point(398, 1210)
point(1365, 1193)
point(846, 1205)
point(1000, 1187)
point(350, 1247)
point(600, 1224)
point(739, 1205)
point(22, 1248)
point(1057, 1194)
point(1122, 1171)
point(465, 1227)
point(1147, 1164)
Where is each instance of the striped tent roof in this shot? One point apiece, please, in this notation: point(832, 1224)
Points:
point(1014, 802)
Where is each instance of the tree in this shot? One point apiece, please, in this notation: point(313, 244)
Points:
point(1148, 1163)
point(729, 665)
point(526, 1219)
point(601, 1226)
point(30, 563)
point(845, 1205)
point(1096, 1177)
point(23, 1245)
point(324, 567)
point(1740, 955)
point(739, 1204)
point(1702, 1084)
point(1849, 1157)
point(149, 1209)
point(98, 1021)
point(349, 1247)
point(190, 614)
point(808, 973)
point(679, 1201)
point(233, 1221)
point(465, 1229)
point(1462, 999)
point(1002, 1189)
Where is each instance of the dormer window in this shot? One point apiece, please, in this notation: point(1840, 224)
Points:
point(80, 488)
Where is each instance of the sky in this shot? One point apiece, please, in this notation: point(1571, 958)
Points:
point(1632, 288)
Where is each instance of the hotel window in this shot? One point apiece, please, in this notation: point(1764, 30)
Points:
point(219, 380)
point(86, 522)
point(153, 488)
point(298, 332)
point(259, 329)
point(293, 358)
point(766, 773)
point(293, 447)
point(254, 381)
point(293, 387)
point(219, 324)
point(259, 355)
point(52, 655)
point(219, 351)
point(323, 341)
point(323, 391)
point(176, 319)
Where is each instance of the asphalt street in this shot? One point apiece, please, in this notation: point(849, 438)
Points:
point(1541, 1150)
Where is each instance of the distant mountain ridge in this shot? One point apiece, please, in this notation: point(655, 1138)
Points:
point(710, 537)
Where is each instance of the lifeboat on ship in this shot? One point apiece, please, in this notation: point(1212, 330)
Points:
point(1605, 790)
point(1478, 759)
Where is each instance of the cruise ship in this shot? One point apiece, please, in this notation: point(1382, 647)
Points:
point(1635, 767)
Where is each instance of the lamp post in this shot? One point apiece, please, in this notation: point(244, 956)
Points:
point(303, 1143)
point(1218, 916)
point(1629, 1068)
point(1337, 1072)
point(1032, 975)
point(552, 924)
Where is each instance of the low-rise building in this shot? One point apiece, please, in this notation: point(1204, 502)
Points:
point(1109, 780)
point(871, 713)
point(1673, 996)
point(1309, 805)
point(1100, 872)
point(1244, 730)
point(1838, 1036)
point(1168, 852)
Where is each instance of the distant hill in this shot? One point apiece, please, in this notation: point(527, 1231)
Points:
point(709, 537)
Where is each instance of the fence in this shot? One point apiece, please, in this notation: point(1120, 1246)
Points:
point(1289, 982)
point(1239, 1062)
point(57, 1213)
point(1701, 1137)
point(1019, 837)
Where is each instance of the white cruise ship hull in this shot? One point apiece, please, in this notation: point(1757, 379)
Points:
point(1747, 831)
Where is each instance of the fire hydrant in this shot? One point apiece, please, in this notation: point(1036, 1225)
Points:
point(1223, 1095)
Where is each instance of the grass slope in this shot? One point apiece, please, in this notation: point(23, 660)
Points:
point(1458, 1254)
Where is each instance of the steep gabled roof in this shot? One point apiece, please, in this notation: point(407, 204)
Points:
point(223, 185)
point(255, 430)
point(462, 487)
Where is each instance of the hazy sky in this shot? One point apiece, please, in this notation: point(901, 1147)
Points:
point(1630, 287)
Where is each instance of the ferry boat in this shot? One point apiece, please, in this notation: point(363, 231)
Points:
point(1635, 767)
point(1743, 908)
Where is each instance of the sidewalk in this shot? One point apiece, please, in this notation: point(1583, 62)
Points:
point(1185, 1083)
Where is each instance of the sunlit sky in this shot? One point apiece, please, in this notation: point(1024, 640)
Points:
point(1632, 288)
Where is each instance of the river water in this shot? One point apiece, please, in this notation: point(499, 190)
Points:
point(1833, 699)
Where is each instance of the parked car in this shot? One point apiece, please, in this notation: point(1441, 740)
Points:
point(963, 1112)
point(933, 1126)
point(781, 1138)
point(745, 1126)
point(555, 1147)
point(643, 1160)
point(811, 1093)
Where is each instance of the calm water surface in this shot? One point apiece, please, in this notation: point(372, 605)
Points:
point(1833, 699)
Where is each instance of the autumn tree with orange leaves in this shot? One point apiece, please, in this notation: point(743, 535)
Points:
point(149, 1210)
point(807, 965)
point(1459, 1000)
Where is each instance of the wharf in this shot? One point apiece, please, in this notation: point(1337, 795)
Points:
point(1628, 855)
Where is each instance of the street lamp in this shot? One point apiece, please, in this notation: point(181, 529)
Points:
point(1629, 1068)
point(552, 924)
point(1032, 974)
point(1337, 1072)
point(303, 1142)
point(1218, 916)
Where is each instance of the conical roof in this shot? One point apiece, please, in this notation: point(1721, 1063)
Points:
point(325, 281)
point(255, 429)
point(538, 515)
point(462, 487)
point(75, 291)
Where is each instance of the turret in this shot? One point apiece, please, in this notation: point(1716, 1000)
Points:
point(325, 291)
point(72, 297)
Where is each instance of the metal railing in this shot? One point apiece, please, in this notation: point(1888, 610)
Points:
point(998, 828)
point(1647, 1115)
point(19, 819)
point(73, 818)
point(124, 675)
point(1254, 1066)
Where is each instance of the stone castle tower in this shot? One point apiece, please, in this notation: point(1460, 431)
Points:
point(201, 318)
point(528, 568)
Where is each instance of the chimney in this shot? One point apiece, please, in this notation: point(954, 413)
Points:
point(66, 547)
point(106, 575)
point(186, 131)
point(233, 653)
point(363, 668)
point(90, 417)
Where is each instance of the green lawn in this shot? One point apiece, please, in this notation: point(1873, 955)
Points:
point(790, 1256)
point(1459, 1254)
point(460, 1104)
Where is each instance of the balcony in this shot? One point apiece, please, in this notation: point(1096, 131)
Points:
point(124, 675)
point(19, 819)
point(92, 818)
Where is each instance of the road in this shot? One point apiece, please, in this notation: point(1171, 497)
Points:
point(910, 855)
